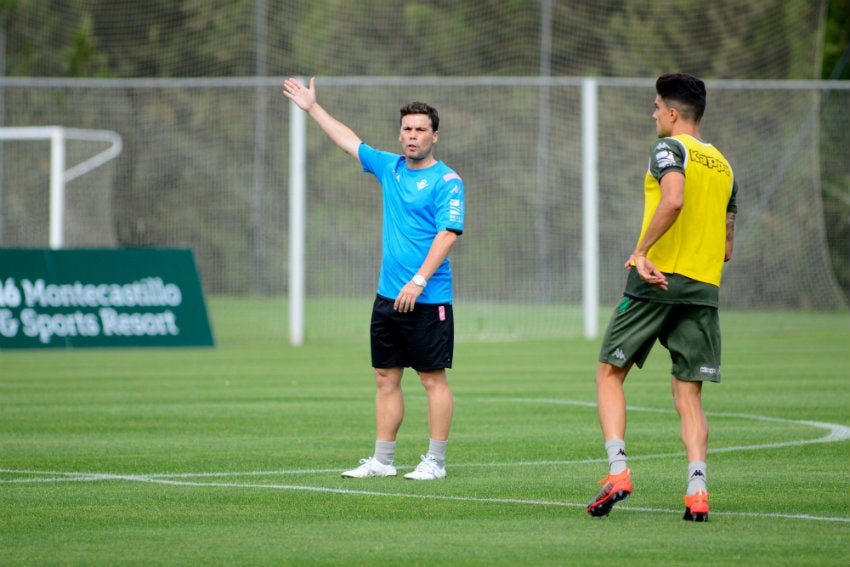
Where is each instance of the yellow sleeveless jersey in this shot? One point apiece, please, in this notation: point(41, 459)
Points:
point(696, 243)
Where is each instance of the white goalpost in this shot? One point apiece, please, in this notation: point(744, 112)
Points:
point(59, 176)
point(297, 223)
point(590, 206)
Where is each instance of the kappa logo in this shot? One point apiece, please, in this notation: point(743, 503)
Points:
point(665, 159)
point(621, 452)
point(619, 354)
point(710, 162)
point(698, 473)
point(422, 184)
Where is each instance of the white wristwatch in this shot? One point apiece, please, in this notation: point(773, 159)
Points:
point(419, 280)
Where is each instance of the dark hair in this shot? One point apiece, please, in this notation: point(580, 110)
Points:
point(683, 92)
point(421, 108)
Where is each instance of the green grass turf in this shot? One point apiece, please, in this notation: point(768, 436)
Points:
point(231, 456)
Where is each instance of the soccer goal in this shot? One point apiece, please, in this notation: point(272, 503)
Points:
point(59, 176)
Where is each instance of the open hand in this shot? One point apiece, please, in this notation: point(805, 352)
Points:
point(304, 97)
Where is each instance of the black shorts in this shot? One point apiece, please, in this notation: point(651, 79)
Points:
point(422, 339)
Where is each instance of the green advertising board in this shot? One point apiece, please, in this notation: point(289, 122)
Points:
point(124, 297)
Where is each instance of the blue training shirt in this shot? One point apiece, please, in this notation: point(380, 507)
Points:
point(418, 203)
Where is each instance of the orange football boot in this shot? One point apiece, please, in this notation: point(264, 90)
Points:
point(696, 506)
point(617, 487)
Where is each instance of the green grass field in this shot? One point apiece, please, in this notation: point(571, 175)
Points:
point(231, 456)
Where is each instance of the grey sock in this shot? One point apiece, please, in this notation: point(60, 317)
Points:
point(437, 449)
point(385, 452)
point(696, 477)
point(616, 449)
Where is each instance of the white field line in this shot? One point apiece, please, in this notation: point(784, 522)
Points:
point(153, 479)
point(834, 433)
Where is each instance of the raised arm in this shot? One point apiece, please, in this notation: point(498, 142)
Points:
point(305, 98)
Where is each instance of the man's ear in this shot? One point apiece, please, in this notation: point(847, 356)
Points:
point(674, 114)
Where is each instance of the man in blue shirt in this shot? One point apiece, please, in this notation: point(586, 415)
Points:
point(412, 320)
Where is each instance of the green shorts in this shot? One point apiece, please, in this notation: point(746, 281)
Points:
point(690, 332)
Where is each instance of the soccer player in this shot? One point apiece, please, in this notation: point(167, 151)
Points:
point(672, 289)
point(412, 319)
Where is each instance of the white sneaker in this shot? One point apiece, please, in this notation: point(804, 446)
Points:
point(427, 469)
point(370, 467)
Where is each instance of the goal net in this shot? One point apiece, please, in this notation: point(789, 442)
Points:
point(205, 159)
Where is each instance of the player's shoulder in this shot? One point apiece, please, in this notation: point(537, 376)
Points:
point(446, 173)
point(377, 160)
point(666, 153)
point(670, 144)
point(367, 149)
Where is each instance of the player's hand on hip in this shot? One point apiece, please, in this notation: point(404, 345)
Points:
point(648, 272)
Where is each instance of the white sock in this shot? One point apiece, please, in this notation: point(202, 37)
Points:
point(385, 452)
point(616, 449)
point(437, 449)
point(697, 477)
